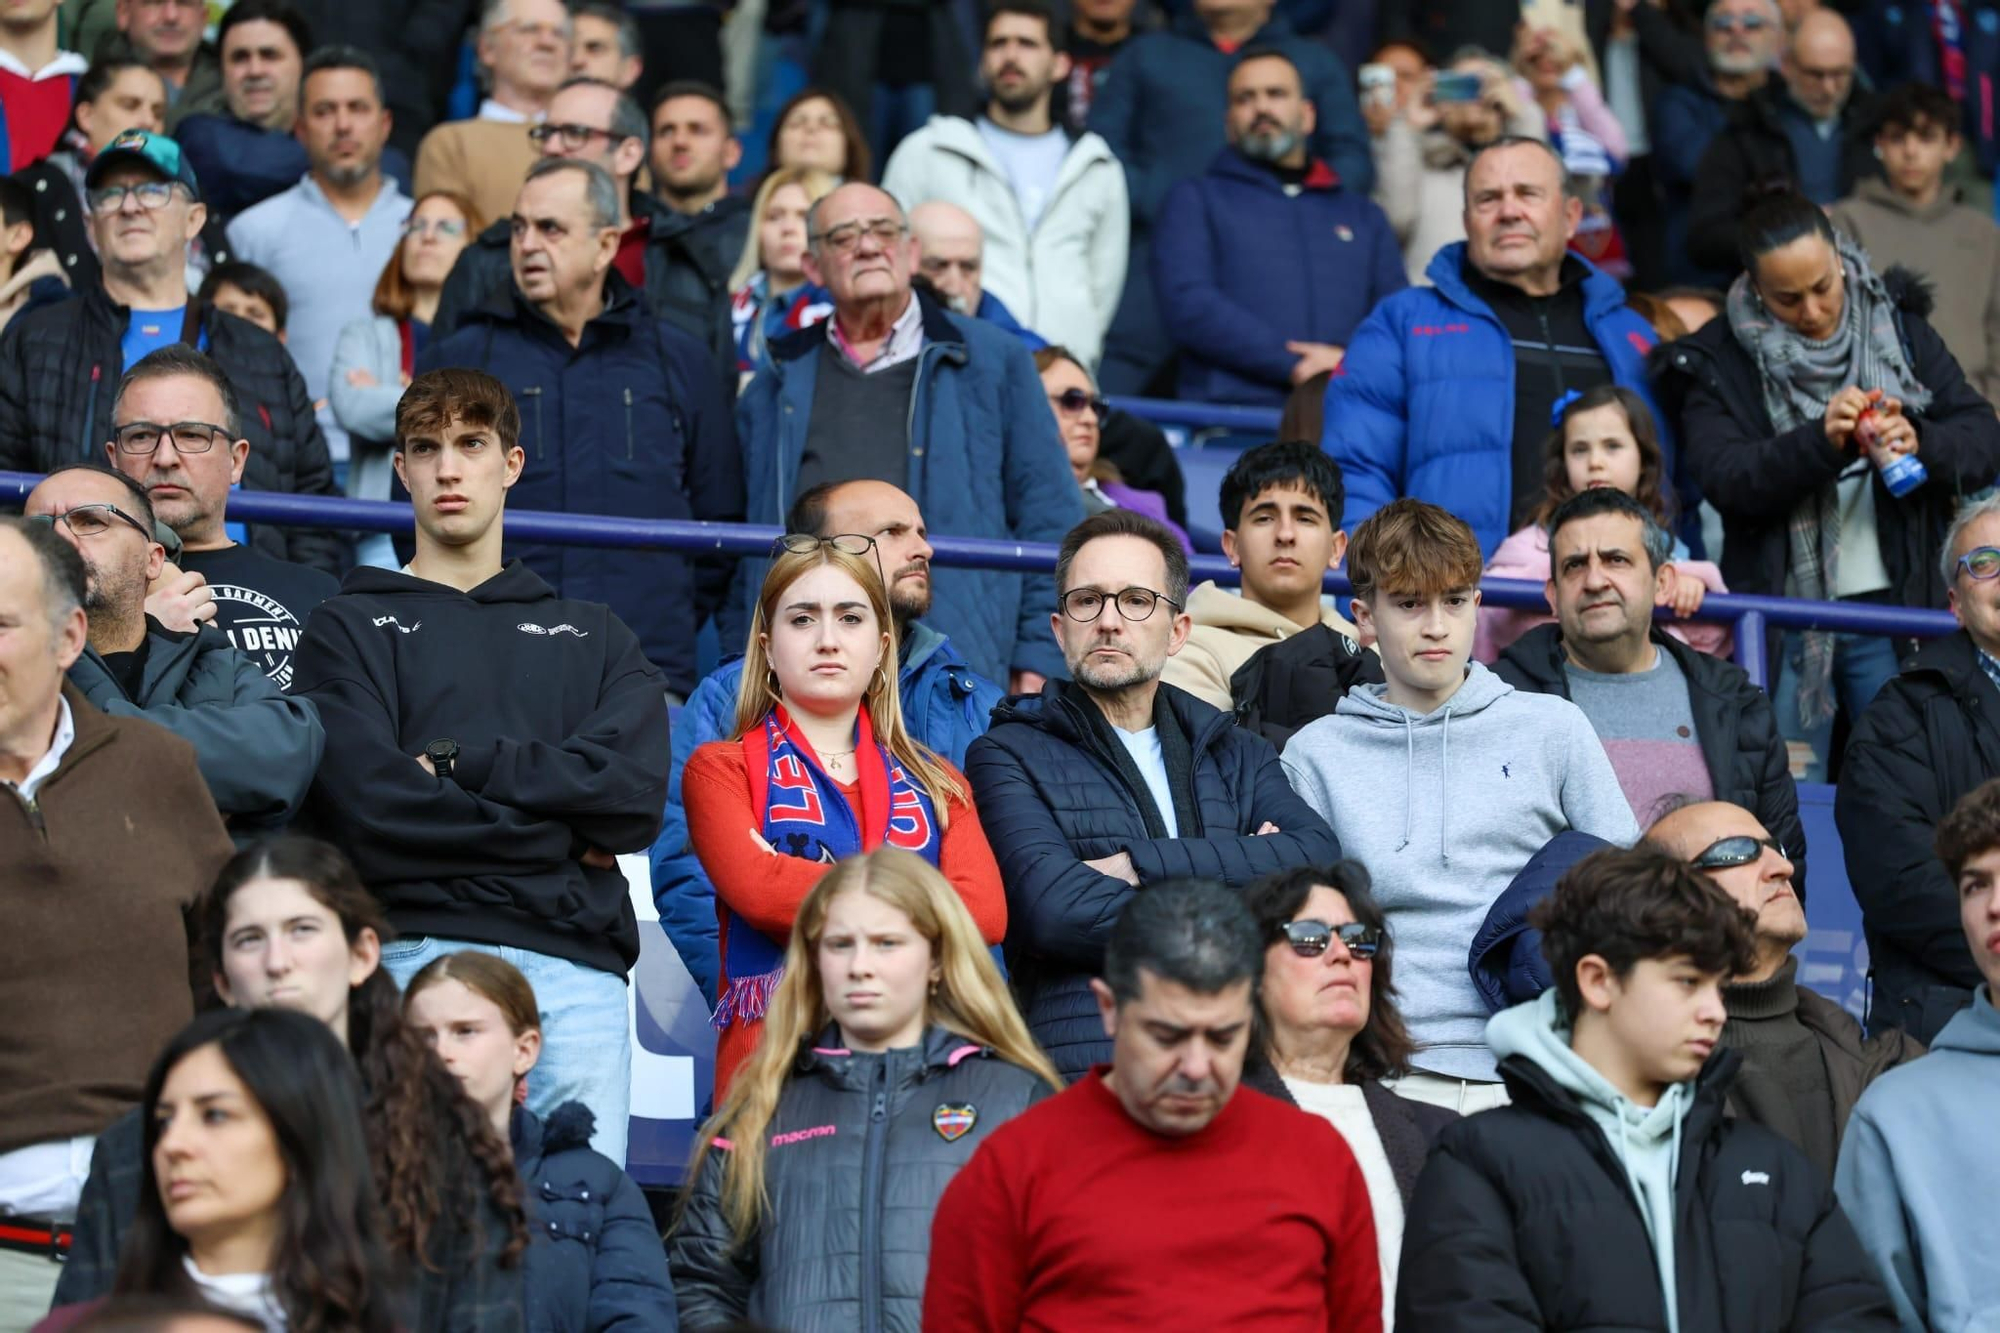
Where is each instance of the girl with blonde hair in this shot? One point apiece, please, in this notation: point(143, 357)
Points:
point(769, 293)
point(893, 1049)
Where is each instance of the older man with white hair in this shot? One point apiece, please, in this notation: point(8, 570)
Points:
point(524, 54)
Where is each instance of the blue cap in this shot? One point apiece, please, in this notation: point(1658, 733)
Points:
point(155, 152)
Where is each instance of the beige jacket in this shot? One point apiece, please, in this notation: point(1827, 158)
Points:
point(14, 294)
point(484, 160)
point(1228, 629)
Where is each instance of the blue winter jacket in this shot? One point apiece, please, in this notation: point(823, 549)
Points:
point(984, 461)
point(594, 1263)
point(629, 422)
point(946, 705)
point(1506, 957)
point(1424, 403)
point(995, 312)
point(1165, 98)
point(1315, 265)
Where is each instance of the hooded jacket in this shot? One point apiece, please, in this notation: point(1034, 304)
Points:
point(1052, 794)
point(1930, 737)
point(1063, 277)
point(257, 746)
point(859, 1155)
point(1423, 405)
point(945, 705)
point(561, 725)
point(39, 281)
point(1486, 779)
point(1228, 630)
point(1743, 1228)
point(1918, 1178)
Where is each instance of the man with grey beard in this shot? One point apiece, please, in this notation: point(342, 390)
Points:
point(1265, 265)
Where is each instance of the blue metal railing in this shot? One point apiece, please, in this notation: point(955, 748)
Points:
point(1751, 616)
point(1201, 416)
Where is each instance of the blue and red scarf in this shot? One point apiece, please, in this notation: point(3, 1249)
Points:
point(802, 812)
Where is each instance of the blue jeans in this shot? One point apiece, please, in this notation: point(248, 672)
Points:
point(586, 1051)
point(1862, 665)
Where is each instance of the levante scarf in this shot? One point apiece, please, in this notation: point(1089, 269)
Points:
point(802, 812)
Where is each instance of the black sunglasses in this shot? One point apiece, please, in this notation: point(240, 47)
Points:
point(1741, 850)
point(1075, 400)
point(1310, 939)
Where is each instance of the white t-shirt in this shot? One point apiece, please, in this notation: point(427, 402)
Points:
point(1033, 163)
point(1144, 747)
point(1343, 1106)
point(245, 1293)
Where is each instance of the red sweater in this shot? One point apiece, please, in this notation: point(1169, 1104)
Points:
point(1073, 1216)
point(766, 888)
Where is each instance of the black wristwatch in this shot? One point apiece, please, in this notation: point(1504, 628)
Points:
point(442, 754)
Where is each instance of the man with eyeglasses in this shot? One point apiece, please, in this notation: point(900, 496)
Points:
point(946, 704)
point(60, 366)
point(895, 388)
point(1930, 737)
point(1814, 132)
point(622, 412)
point(1110, 781)
point(256, 747)
point(344, 219)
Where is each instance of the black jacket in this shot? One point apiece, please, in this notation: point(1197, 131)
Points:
point(1752, 157)
point(561, 725)
point(1407, 1128)
point(688, 263)
point(1298, 680)
point(1931, 736)
point(1756, 478)
point(59, 372)
point(859, 1157)
point(1055, 789)
point(1523, 1219)
point(1746, 757)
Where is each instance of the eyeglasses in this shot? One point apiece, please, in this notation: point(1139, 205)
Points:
point(93, 520)
point(1828, 76)
point(1072, 401)
point(850, 543)
point(190, 437)
point(846, 238)
point(1982, 562)
point(1741, 850)
point(152, 195)
point(1084, 605)
point(1739, 22)
point(574, 138)
point(1310, 939)
point(450, 228)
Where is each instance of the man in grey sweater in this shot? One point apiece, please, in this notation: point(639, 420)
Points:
point(1443, 782)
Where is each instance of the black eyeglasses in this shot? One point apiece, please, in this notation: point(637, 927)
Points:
point(1084, 605)
point(846, 238)
point(1741, 850)
point(851, 543)
point(1982, 563)
point(1072, 401)
point(93, 520)
point(575, 138)
point(152, 195)
point(190, 437)
point(1310, 939)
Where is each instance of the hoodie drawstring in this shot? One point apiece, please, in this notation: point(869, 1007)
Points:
point(1444, 793)
point(1409, 779)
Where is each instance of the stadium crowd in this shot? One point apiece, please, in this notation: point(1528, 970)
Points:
point(1084, 949)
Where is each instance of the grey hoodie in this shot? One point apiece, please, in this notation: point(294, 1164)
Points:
point(1444, 808)
point(1647, 1139)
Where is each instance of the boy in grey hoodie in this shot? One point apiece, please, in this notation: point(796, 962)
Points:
point(1444, 781)
point(1918, 1171)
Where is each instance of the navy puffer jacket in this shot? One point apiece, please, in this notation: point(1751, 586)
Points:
point(862, 1147)
point(1051, 796)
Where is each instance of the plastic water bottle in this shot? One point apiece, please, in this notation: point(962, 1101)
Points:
point(1901, 473)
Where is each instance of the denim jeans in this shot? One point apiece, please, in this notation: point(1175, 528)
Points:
point(586, 1051)
point(1862, 665)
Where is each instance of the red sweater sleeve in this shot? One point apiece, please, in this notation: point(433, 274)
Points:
point(977, 1270)
point(967, 861)
point(765, 888)
point(1354, 1276)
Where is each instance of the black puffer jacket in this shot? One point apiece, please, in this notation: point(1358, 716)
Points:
point(1746, 757)
point(1514, 1199)
point(1054, 791)
point(59, 371)
point(1299, 680)
point(1931, 736)
point(1756, 478)
point(862, 1147)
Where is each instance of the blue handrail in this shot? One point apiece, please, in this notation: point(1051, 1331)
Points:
point(1202, 416)
point(1751, 615)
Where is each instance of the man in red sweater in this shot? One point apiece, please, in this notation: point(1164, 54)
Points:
point(1155, 1193)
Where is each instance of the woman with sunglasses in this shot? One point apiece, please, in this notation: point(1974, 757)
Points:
point(818, 767)
point(1328, 1033)
point(1081, 413)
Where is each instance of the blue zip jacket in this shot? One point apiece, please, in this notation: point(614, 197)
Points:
point(946, 705)
point(1314, 265)
point(1424, 403)
point(984, 461)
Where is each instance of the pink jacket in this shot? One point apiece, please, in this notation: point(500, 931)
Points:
point(1525, 555)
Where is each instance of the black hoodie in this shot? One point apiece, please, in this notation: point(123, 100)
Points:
point(561, 724)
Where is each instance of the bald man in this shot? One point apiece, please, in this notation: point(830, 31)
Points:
point(951, 256)
point(945, 702)
point(977, 450)
point(1805, 1061)
point(1813, 129)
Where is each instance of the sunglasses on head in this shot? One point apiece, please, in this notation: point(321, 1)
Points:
point(1310, 939)
point(1741, 850)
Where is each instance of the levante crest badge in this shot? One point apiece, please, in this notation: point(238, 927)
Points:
point(954, 1121)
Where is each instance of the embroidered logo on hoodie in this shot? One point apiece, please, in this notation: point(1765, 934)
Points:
point(530, 627)
point(391, 620)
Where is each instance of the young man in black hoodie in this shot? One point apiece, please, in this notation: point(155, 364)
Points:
point(491, 748)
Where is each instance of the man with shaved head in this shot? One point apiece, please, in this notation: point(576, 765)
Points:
point(978, 449)
point(1805, 1061)
point(951, 255)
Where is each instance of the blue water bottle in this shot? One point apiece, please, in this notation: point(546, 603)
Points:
point(1903, 473)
